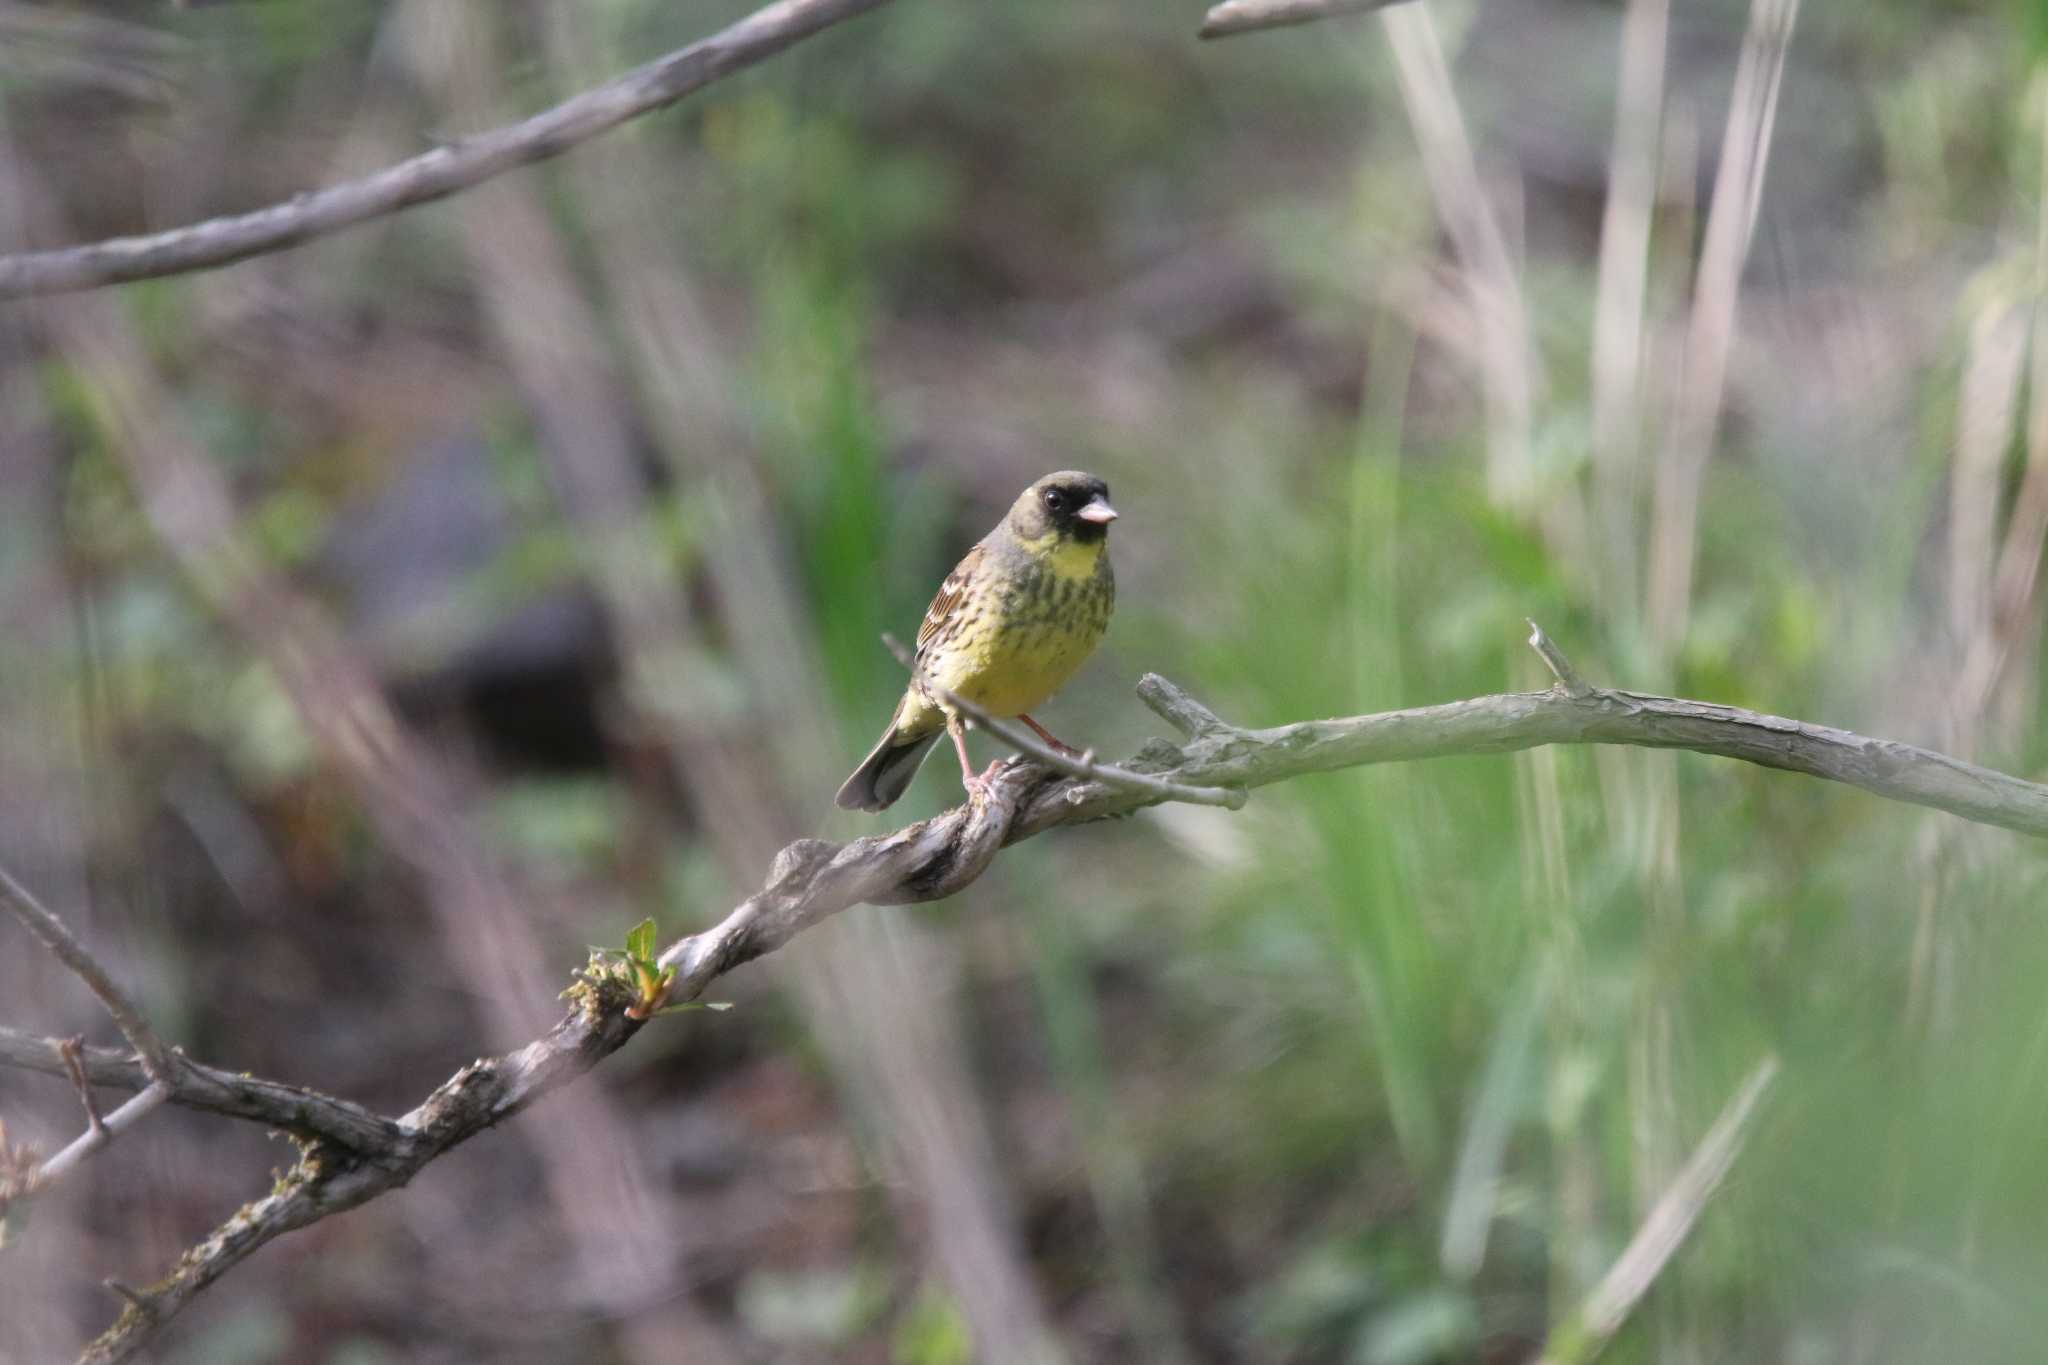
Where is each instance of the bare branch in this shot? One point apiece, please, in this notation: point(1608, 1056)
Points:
point(1248, 16)
point(813, 879)
point(432, 175)
point(1586, 1333)
point(274, 1104)
point(330, 1180)
point(51, 931)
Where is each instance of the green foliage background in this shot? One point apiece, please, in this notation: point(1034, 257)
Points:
point(1386, 1068)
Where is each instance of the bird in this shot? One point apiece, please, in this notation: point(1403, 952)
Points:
point(1013, 621)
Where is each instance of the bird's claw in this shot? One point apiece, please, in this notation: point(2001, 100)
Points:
point(980, 784)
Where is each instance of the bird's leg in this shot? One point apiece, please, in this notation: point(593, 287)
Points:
point(1049, 737)
point(968, 778)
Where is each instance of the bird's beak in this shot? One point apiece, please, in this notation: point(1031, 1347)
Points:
point(1097, 511)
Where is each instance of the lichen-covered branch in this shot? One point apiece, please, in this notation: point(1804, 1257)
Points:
point(813, 879)
point(431, 175)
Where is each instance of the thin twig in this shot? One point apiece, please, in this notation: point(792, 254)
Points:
point(1248, 16)
point(431, 175)
point(1560, 667)
point(51, 931)
point(1085, 767)
point(69, 1050)
point(101, 1133)
point(134, 1297)
point(1670, 1221)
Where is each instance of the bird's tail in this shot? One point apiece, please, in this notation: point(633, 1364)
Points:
point(884, 774)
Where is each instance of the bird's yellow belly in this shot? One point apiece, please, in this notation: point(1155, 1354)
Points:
point(1008, 671)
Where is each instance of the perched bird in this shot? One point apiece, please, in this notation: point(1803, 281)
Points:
point(1011, 623)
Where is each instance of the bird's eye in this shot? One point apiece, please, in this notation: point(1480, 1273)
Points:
point(1055, 500)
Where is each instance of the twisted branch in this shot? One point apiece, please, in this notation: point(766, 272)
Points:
point(356, 1156)
point(431, 175)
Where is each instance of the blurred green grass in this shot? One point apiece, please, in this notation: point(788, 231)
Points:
point(1293, 1041)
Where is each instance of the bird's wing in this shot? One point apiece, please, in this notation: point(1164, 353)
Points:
point(950, 593)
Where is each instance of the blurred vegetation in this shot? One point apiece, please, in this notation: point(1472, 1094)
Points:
point(1375, 1071)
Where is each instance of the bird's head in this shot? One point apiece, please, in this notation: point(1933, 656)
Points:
point(1065, 507)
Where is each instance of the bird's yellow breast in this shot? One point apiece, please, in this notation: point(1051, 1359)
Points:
point(1026, 637)
point(1007, 670)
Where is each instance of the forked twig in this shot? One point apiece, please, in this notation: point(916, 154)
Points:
point(157, 1059)
point(102, 1132)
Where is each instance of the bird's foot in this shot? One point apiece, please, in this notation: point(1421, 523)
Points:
point(980, 784)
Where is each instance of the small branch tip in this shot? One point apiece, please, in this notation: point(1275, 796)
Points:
point(1172, 704)
point(70, 1050)
point(1568, 680)
point(1249, 16)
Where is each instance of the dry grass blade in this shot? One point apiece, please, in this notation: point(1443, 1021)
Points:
point(1508, 367)
point(1670, 1221)
point(1621, 294)
point(1710, 335)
